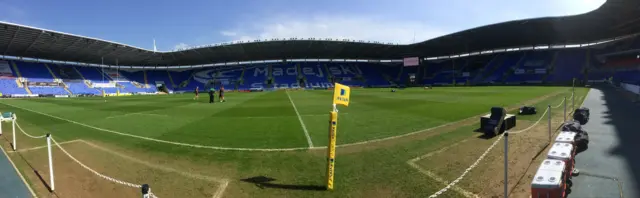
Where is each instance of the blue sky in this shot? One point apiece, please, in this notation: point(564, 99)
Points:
point(176, 24)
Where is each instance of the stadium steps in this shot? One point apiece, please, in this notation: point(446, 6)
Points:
point(103, 75)
point(329, 75)
point(551, 66)
point(300, 76)
point(424, 71)
point(359, 75)
point(146, 82)
point(241, 78)
point(173, 84)
point(19, 84)
point(494, 66)
point(55, 77)
point(81, 76)
point(399, 74)
point(480, 74)
point(587, 63)
point(86, 82)
point(15, 68)
point(513, 68)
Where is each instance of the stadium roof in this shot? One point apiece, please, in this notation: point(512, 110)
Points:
point(615, 18)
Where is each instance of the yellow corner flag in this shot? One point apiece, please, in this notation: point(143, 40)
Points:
point(341, 94)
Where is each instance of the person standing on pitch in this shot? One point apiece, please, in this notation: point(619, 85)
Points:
point(221, 94)
point(212, 93)
point(197, 93)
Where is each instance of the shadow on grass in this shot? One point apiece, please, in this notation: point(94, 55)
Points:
point(483, 135)
point(44, 182)
point(265, 182)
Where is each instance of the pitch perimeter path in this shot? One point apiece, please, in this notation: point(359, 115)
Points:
point(11, 183)
point(610, 167)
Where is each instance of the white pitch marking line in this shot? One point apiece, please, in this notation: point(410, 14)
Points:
point(41, 147)
point(162, 141)
point(136, 113)
point(223, 182)
point(412, 163)
point(306, 133)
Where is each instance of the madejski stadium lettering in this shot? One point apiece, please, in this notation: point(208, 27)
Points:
point(292, 85)
point(205, 76)
point(306, 70)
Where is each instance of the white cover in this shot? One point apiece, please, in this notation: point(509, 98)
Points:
point(566, 137)
point(552, 165)
point(560, 151)
point(546, 179)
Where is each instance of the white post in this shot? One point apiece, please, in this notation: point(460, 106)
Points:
point(50, 163)
point(549, 123)
point(573, 101)
point(13, 124)
point(506, 164)
point(565, 109)
point(1, 119)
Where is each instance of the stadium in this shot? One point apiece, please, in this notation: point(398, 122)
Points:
point(86, 117)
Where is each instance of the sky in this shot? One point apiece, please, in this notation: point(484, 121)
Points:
point(177, 24)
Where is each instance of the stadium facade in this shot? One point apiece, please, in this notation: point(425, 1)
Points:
point(589, 47)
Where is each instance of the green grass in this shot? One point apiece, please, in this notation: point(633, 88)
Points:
point(268, 120)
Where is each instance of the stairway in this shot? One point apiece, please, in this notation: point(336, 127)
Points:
point(15, 68)
point(241, 79)
point(513, 68)
point(146, 83)
point(500, 60)
point(587, 63)
point(173, 85)
point(399, 74)
point(551, 67)
point(55, 78)
point(86, 82)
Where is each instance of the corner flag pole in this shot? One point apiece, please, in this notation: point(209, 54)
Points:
point(331, 149)
point(340, 96)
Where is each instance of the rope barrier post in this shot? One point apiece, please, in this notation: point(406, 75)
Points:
point(13, 124)
point(549, 116)
point(573, 94)
point(565, 109)
point(1, 119)
point(506, 163)
point(573, 101)
point(145, 190)
point(52, 184)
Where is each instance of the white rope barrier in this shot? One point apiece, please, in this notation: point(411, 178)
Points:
point(454, 182)
point(562, 102)
point(28, 135)
point(534, 124)
point(96, 172)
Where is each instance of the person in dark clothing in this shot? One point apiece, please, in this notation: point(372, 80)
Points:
point(212, 95)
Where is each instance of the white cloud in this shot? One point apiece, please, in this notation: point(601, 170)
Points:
point(337, 27)
point(386, 27)
point(228, 33)
point(180, 46)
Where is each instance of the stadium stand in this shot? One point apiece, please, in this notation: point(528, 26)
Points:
point(536, 66)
